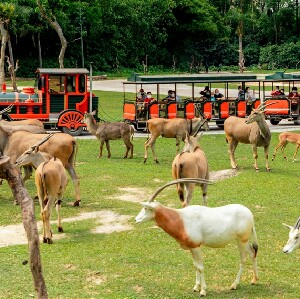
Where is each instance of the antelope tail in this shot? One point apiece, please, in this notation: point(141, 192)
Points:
point(254, 241)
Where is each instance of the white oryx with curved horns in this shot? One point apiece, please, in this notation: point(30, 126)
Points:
point(294, 237)
point(196, 226)
point(253, 130)
point(172, 128)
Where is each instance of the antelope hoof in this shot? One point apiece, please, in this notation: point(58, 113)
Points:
point(268, 169)
point(254, 281)
point(156, 161)
point(233, 286)
point(196, 288)
point(76, 203)
point(47, 241)
point(60, 229)
point(125, 157)
point(202, 293)
point(145, 160)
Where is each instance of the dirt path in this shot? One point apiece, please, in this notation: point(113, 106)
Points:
point(106, 221)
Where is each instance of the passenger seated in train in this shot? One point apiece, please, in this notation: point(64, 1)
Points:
point(218, 98)
point(205, 93)
point(294, 93)
point(276, 92)
point(141, 95)
point(241, 93)
point(144, 109)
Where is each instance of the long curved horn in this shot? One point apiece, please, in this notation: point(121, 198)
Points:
point(297, 224)
point(262, 106)
point(6, 109)
point(202, 122)
point(186, 180)
point(42, 141)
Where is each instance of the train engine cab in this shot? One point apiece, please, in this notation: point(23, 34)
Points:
point(60, 100)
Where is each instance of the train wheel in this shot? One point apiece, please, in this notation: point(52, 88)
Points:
point(274, 121)
point(70, 122)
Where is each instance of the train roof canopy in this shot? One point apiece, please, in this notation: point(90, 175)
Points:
point(192, 78)
point(62, 71)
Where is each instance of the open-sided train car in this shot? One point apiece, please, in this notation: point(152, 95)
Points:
point(190, 104)
point(60, 101)
point(284, 106)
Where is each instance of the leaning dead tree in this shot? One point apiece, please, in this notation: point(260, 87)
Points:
point(12, 71)
point(9, 172)
point(51, 19)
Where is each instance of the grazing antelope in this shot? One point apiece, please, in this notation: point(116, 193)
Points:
point(14, 143)
point(254, 130)
point(51, 181)
point(294, 237)
point(284, 139)
point(32, 156)
point(172, 128)
point(190, 163)
point(110, 131)
point(196, 226)
point(32, 122)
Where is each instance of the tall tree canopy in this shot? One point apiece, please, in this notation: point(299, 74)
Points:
point(129, 34)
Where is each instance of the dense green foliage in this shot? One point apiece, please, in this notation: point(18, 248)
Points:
point(182, 35)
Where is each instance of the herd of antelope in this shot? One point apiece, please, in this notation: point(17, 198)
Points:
point(30, 147)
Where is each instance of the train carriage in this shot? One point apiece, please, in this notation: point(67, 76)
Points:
point(191, 104)
point(60, 102)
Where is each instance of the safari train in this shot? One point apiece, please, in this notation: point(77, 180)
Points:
point(60, 101)
point(189, 102)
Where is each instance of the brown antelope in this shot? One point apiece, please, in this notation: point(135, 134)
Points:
point(51, 181)
point(254, 130)
point(32, 156)
point(190, 163)
point(196, 226)
point(172, 128)
point(32, 122)
point(62, 146)
point(110, 131)
point(284, 139)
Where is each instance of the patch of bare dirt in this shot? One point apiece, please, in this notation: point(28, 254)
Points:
point(133, 194)
point(222, 174)
point(96, 278)
point(109, 222)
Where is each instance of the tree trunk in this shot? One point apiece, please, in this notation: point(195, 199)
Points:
point(241, 55)
point(11, 67)
point(12, 175)
point(4, 38)
point(40, 50)
point(51, 19)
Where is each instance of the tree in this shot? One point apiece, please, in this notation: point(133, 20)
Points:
point(6, 13)
point(48, 15)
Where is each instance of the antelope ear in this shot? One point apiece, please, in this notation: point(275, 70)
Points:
point(288, 226)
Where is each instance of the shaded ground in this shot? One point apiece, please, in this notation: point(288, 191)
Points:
point(106, 221)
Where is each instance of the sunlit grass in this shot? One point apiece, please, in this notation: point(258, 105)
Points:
point(145, 262)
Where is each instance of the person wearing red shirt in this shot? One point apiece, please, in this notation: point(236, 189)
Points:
point(294, 93)
point(276, 92)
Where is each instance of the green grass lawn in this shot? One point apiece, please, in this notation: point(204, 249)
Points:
point(144, 262)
